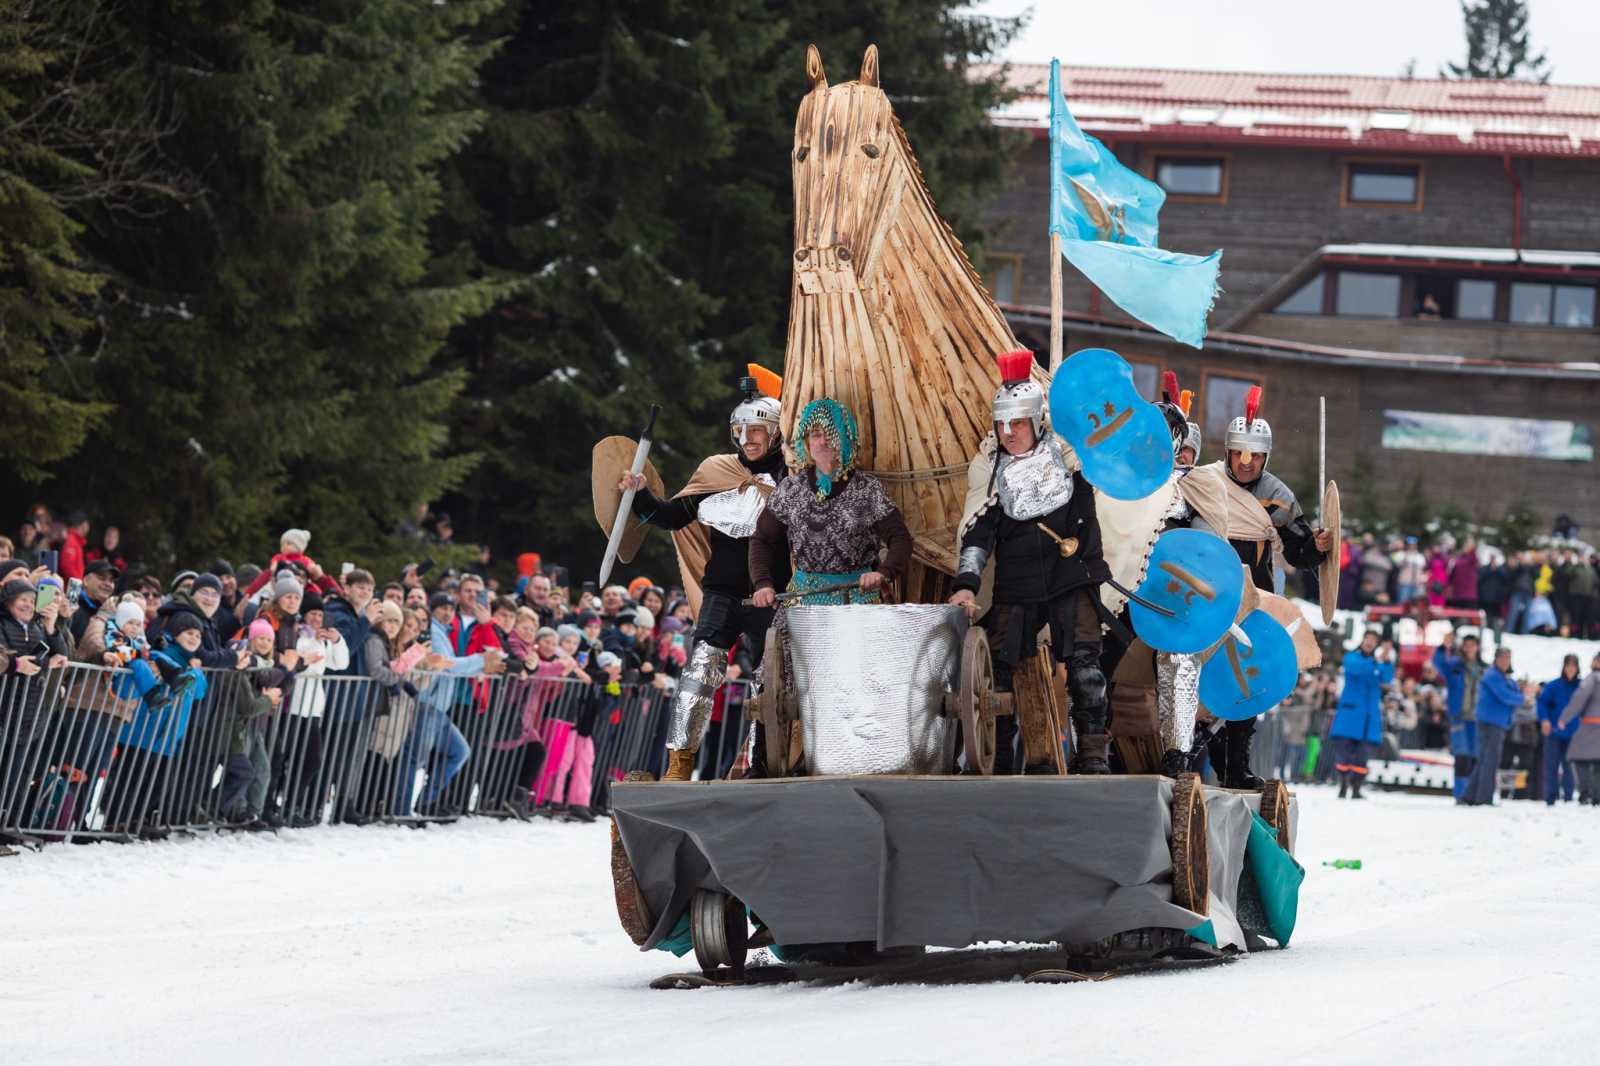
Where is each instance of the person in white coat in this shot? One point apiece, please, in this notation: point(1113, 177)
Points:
point(298, 790)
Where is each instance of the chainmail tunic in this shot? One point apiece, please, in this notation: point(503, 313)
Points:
point(835, 535)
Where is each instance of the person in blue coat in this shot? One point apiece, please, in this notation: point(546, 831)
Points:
point(1553, 699)
point(1460, 672)
point(1499, 696)
point(1358, 723)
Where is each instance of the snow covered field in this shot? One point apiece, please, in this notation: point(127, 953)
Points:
point(1470, 936)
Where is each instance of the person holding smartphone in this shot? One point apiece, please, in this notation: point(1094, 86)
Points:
point(34, 642)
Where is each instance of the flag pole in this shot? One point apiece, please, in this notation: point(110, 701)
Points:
point(1055, 301)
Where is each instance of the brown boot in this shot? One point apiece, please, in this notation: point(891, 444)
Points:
point(680, 765)
point(1091, 754)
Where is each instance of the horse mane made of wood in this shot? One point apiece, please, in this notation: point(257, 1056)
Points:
point(886, 313)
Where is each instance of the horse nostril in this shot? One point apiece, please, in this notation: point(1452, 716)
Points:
point(843, 254)
point(800, 154)
point(800, 255)
point(871, 150)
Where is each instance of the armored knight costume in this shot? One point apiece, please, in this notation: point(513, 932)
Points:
point(1251, 435)
point(1036, 522)
point(713, 519)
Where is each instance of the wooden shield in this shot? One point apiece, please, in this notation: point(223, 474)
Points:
point(1328, 572)
point(1307, 653)
point(612, 458)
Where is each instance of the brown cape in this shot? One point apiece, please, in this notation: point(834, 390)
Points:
point(719, 473)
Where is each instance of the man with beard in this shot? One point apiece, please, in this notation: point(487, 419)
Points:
point(1037, 522)
point(712, 519)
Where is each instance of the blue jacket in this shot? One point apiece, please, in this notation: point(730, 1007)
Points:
point(161, 731)
point(353, 627)
point(1498, 699)
point(1453, 669)
point(1360, 714)
point(1553, 699)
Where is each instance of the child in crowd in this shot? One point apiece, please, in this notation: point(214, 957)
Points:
point(155, 679)
point(292, 550)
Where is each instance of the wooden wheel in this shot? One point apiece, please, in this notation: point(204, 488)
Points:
point(975, 702)
point(774, 716)
point(1275, 810)
point(631, 907)
point(720, 930)
point(1191, 864)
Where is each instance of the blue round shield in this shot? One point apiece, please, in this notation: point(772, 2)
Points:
point(1120, 436)
point(1239, 682)
point(1197, 576)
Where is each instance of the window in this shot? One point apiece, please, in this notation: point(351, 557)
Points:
point(1475, 300)
point(1002, 271)
point(1574, 307)
point(1371, 295)
point(1539, 304)
point(1223, 402)
point(1306, 301)
point(1199, 177)
point(1147, 379)
point(1392, 184)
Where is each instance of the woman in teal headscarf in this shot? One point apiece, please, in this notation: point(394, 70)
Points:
point(832, 516)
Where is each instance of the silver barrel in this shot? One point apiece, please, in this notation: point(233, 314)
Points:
point(871, 682)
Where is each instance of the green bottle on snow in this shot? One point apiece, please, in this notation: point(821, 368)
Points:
point(1344, 864)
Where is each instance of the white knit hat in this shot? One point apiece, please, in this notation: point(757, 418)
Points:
point(128, 613)
point(297, 538)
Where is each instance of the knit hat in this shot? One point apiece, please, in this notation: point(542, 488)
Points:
point(312, 601)
point(180, 577)
point(637, 586)
point(607, 659)
point(390, 612)
point(12, 589)
point(221, 567)
point(672, 625)
point(12, 564)
point(587, 619)
point(128, 613)
point(296, 538)
point(260, 628)
point(643, 618)
point(545, 631)
point(182, 622)
point(287, 584)
point(206, 581)
point(569, 631)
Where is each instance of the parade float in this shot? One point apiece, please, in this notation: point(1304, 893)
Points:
point(878, 830)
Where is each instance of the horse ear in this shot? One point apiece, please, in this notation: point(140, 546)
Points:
point(815, 77)
point(869, 67)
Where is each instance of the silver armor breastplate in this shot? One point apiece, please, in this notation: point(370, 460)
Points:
point(1179, 510)
point(734, 512)
point(1035, 484)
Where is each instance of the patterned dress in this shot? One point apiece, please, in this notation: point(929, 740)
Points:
point(834, 537)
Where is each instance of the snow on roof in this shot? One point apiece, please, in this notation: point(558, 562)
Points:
point(1529, 256)
point(1382, 114)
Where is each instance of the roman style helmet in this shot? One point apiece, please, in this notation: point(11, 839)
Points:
point(1019, 396)
point(1250, 435)
point(1174, 407)
point(759, 407)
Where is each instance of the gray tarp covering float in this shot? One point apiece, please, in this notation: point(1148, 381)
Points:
point(932, 861)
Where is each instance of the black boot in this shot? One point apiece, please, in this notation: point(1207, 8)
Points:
point(1344, 785)
point(1355, 786)
point(1241, 735)
point(1086, 685)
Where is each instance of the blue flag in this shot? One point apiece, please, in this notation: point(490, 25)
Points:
point(1105, 215)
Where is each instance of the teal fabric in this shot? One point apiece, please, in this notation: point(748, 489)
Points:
point(804, 579)
point(1106, 216)
point(840, 425)
point(680, 941)
point(1204, 933)
point(1278, 878)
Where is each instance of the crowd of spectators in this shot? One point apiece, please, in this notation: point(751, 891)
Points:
point(66, 596)
point(1547, 591)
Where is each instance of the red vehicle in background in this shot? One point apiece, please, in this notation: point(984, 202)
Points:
point(1417, 629)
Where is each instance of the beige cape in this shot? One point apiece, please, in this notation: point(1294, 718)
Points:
point(719, 473)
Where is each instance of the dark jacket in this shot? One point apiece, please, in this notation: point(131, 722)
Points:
point(214, 652)
point(1029, 566)
point(353, 626)
point(32, 642)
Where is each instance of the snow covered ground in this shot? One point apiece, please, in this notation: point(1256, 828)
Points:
point(1470, 936)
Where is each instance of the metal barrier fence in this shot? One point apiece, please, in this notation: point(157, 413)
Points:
point(95, 753)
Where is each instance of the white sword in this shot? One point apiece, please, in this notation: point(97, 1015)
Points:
point(1322, 455)
point(620, 526)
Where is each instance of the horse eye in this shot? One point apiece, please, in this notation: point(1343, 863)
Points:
point(871, 150)
point(801, 153)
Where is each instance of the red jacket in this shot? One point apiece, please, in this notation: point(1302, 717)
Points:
point(71, 564)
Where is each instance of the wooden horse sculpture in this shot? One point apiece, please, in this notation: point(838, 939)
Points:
point(886, 314)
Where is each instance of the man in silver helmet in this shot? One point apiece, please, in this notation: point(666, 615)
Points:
point(1035, 519)
point(1189, 449)
point(1249, 445)
point(713, 518)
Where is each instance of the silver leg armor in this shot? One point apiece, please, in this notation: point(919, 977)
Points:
point(697, 688)
point(1177, 699)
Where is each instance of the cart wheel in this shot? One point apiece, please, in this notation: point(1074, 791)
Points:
point(720, 930)
point(631, 907)
point(975, 702)
point(774, 719)
point(1191, 865)
point(1275, 810)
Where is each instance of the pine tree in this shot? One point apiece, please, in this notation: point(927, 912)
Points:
point(1497, 43)
point(635, 174)
point(271, 349)
point(43, 284)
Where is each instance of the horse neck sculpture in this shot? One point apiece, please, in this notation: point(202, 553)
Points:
point(886, 314)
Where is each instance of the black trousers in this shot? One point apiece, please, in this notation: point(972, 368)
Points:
point(723, 620)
